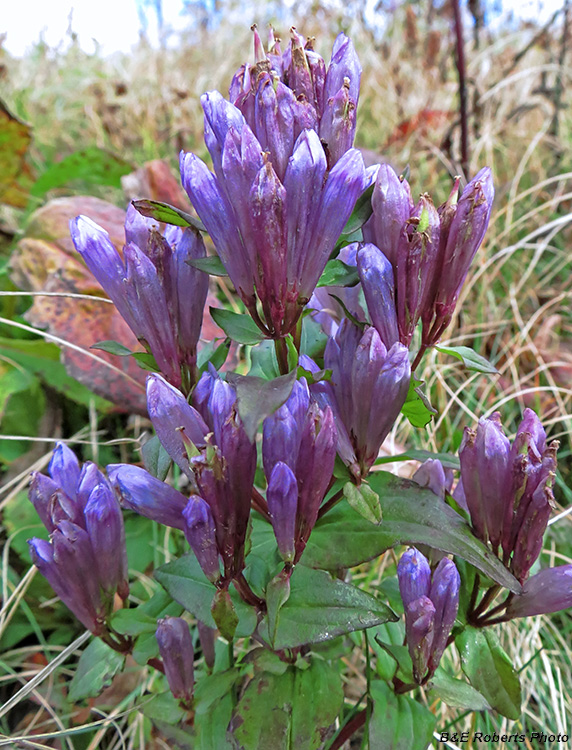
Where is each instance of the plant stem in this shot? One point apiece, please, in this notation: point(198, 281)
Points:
point(330, 503)
point(247, 594)
point(355, 723)
point(281, 350)
point(259, 503)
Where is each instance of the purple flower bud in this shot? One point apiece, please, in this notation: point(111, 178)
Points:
point(148, 496)
point(176, 650)
point(74, 557)
point(547, 591)
point(444, 594)
point(176, 423)
point(463, 227)
point(392, 206)
point(64, 469)
point(528, 542)
point(420, 631)
point(282, 498)
point(376, 276)
point(42, 554)
point(274, 113)
point(89, 478)
point(370, 386)
point(104, 525)
point(344, 64)
point(280, 443)
point(200, 531)
point(486, 474)
point(417, 251)
point(414, 576)
point(432, 475)
point(338, 124)
point(42, 489)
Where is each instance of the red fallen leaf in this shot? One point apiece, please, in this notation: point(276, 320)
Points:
point(45, 260)
point(15, 173)
point(422, 123)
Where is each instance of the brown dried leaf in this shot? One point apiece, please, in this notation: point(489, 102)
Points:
point(15, 173)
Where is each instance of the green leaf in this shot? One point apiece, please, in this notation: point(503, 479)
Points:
point(257, 398)
point(91, 165)
point(361, 213)
point(313, 377)
point(155, 458)
point(42, 359)
point(97, 666)
point(397, 721)
point(212, 728)
point(364, 501)
point(146, 361)
point(224, 614)
point(163, 707)
point(188, 585)
point(263, 361)
point(417, 407)
point(143, 619)
point(490, 670)
point(320, 608)
point(457, 693)
point(211, 265)
point(411, 515)
point(277, 594)
point(211, 688)
point(313, 340)
point(338, 273)
point(240, 328)
point(218, 357)
point(112, 347)
point(167, 214)
point(289, 711)
point(469, 358)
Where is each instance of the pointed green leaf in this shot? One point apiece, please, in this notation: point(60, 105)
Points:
point(469, 358)
point(188, 585)
point(490, 670)
point(240, 328)
point(277, 594)
point(224, 614)
point(338, 273)
point(288, 711)
point(363, 500)
point(212, 265)
point(361, 213)
point(155, 458)
point(457, 693)
point(417, 407)
point(398, 722)
point(97, 666)
point(411, 515)
point(112, 347)
point(167, 214)
point(257, 398)
point(320, 608)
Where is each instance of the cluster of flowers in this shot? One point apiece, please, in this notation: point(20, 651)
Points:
point(285, 182)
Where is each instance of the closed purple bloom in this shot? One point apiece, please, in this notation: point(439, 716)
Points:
point(273, 210)
point(200, 532)
point(176, 650)
point(392, 206)
point(463, 226)
point(299, 448)
point(432, 475)
point(370, 385)
point(376, 276)
point(42, 490)
point(508, 489)
point(444, 594)
point(158, 294)
point(431, 603)
point(486, 474)
point(145, 494)
point(282, 498)
point(64, 469)
point(414, 576)
point(104, 525)
point(547, 591)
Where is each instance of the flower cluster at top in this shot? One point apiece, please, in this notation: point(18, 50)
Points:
point(286, 179)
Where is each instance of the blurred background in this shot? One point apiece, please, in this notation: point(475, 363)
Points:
point(95, 104)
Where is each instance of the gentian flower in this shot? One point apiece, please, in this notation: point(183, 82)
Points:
point(431, 603)
point(217, 457)
point(85, 561)
point(508, 489)
point(368, 387)
point(158, 294)
point(176, 650)
point(299, 450)
point(275, 207)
